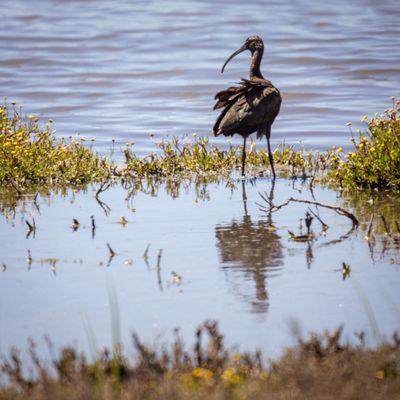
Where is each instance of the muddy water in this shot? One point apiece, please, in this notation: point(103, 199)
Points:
point(221, 258)
point(122, 70)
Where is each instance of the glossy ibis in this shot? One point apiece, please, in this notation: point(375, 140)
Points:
point(250, 107)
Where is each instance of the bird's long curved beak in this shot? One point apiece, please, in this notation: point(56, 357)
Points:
point(243, 48)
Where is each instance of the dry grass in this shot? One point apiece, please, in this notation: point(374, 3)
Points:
point(321, 367)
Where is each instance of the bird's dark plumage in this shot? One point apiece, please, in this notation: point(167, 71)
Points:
point(250, 107)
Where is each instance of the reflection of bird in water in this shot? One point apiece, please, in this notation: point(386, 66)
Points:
point(251, 249)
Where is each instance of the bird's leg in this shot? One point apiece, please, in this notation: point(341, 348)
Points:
point(271, 160)
point(244, 155)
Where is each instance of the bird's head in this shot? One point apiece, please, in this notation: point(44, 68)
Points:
point(252, 43)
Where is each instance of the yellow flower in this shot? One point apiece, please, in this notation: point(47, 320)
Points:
point(380, 374)
point(339, 150)
point(202, 373)
point(231, 376)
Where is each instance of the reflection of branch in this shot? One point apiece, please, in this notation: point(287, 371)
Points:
point(35, 203)
point(370, 226)
point(339, 210)
point(31, 228)
point(336, 241)
point(112, 254)
point(14, 185)
point(103, 187)
point(158, 268)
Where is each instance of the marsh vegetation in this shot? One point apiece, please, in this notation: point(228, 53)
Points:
point(257, 246)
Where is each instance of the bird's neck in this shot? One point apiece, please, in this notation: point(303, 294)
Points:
point(256, 58)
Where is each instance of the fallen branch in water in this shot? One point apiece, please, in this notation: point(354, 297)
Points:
point(272, 207)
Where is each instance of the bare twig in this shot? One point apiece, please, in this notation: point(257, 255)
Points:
point(324, 225)
point(272, 207)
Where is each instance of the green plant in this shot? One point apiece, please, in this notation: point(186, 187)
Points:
point(375, 161)
point(31, 155)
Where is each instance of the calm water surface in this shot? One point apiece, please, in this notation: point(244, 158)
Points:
point(128, 69)
point(236, 264)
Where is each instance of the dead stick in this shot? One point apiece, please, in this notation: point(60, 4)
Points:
point(339, 210)
point(324, 225)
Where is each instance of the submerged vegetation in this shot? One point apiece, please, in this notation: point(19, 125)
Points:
point(30, 155)
point(323, 366)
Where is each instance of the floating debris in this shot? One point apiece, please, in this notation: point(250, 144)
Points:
point(4, 267)
point(123, 221)
point(129, 261)
point(301, 238)
point(93, 226)
point(176, 278)
point(29, 260)
point(75, 224)
point(345, 271)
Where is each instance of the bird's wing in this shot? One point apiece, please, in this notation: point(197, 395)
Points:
point(246, 107)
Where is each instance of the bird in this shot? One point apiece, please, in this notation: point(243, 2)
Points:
point(250, 107)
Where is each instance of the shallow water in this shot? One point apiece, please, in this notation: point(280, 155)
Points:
point(230, 265)
point(124, 70)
